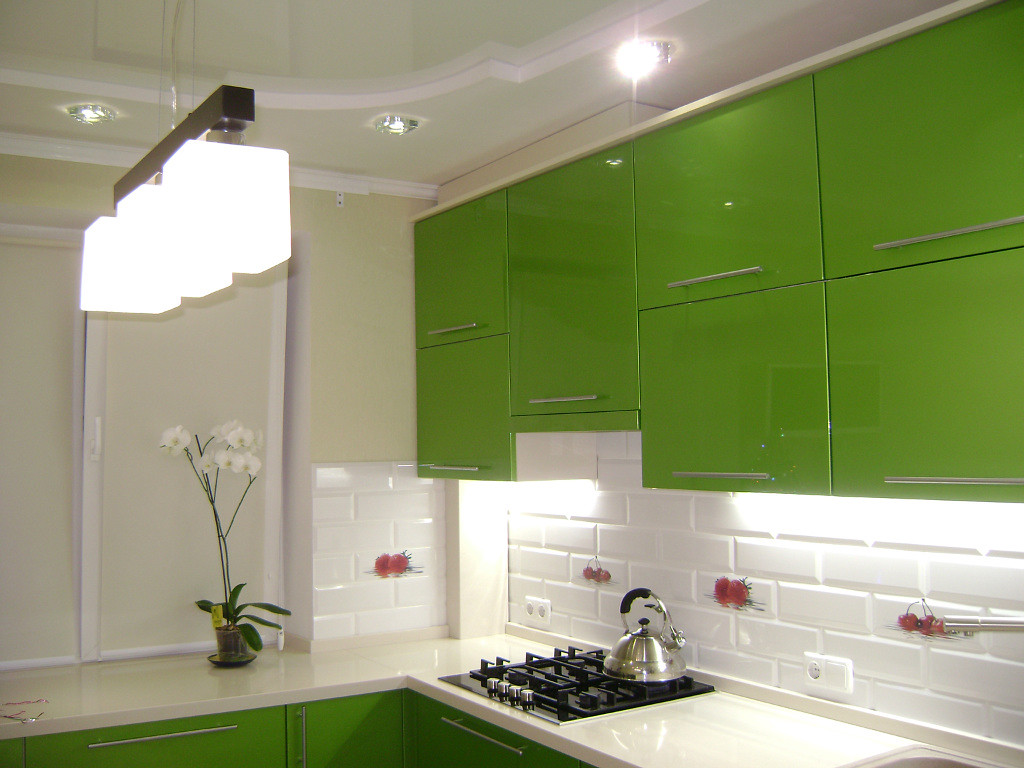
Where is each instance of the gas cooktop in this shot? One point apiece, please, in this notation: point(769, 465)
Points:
point(568, 686)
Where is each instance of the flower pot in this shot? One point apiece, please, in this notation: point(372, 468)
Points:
point(232, 650)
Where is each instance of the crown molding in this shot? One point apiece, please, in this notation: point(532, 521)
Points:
point(126, 157)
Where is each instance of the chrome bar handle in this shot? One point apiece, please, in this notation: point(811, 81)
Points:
point(451, 467)
point(719, 276)
point(971, 624)
point(452, 329)
point(302, 714)
point(467, 729)
point(724, 475)
point(161, 736)
point(568, 399)
point(955, 480)
point(951, 233)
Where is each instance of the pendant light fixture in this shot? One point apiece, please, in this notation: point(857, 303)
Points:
point(220, 207)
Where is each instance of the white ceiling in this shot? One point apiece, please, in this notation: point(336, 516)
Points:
point(485, 77)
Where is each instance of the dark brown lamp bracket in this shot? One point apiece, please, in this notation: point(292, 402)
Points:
point(229, 108)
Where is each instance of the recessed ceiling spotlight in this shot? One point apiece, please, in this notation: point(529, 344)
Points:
point(91, 114)
point(637, 58)
point(396, 125)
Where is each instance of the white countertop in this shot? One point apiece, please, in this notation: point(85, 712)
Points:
point(716, 730)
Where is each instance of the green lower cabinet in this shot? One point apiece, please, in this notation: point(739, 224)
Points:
point(926, 369)
point(253, 737)
point(12, 753)
point(735, 393)
point(440, 736)
point(462, 410)
point(352, 731)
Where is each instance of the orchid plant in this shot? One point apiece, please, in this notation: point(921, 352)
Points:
point(232, 447)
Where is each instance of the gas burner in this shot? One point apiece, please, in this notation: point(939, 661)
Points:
point(568, 686)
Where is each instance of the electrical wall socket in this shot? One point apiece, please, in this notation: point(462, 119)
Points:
point(538, 611)
point(832, 673)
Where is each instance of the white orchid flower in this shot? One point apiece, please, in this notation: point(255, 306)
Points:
point(221, 433)
point(224, 459)
point(247, 463)
point(207, 463)
point(240, 438)
point(175, 440)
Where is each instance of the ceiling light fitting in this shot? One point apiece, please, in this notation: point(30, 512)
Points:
point(396, 125)
point(91, 114)
point(220, 207)
point(638, 58)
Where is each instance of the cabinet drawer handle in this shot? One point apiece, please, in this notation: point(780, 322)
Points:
point(719, 276)
point(956, 480)
point(724, 475)
point(454, 328)
point(951, 233)
point(161, 737)
point(467, 729)
point(302, 714)
point(569, 399)
point(451, 467)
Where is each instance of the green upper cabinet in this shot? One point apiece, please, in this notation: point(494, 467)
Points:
point(354, 731)
point(926, 366)
point(460, 273)
point(572, 288)
point(727, 202)
point(922, 146)
point(463, 429)
point(735, 393)
point(252, 737)
point(12, 753)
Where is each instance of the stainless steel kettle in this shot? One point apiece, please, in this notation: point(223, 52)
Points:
point(642, 655)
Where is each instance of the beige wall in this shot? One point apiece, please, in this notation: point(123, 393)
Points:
point(362, 346)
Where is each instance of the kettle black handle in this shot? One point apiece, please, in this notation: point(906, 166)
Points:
point(629, 597)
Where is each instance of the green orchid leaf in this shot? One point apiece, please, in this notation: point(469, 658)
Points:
point(233, 597)
point(205, 605)
point(266, 607)
point(252, 637)
point(259, 620)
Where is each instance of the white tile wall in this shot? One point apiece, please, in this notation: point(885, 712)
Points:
point(827, 575)
point(360, 511)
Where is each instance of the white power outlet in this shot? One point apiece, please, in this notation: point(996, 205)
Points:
point(538, 611)
point(832, 673)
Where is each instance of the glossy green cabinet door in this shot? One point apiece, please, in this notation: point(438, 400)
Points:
point(12, 753)
point(462, 416)
point(926, 369)
point(735, 393)
point(252, 737)
point(572, 288)
point(444, 737)
point(920, 144)
point(350, 732)
point(727, 202)
point(461, 259)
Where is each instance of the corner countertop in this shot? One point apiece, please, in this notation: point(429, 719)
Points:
point(716, 730)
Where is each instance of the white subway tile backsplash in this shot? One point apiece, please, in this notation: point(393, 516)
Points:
point(864, 568)
point(623, 541)
point(667, 583)
point(331, 627)
point(418, 590)
point(996, 582)
point(523, 529)
point(333, 570)
point(707, 627)
point(352, 598)
point(606, 507)
point(824, 606)
point(617, 568)
point(957, 713)
point(373, 622)
point(350, 537)
point(544, 563)
point(665, 511)
point(570, 535)
point(875, 657)
point(721, 513)
point(762, 600)
point(571, 599)
point(752, 668)
point(618, 474)
point(367, 476)
point(594, 632)
point(790, 561)
point(691, 550)
point(769, 638)
point(1007, 724)
point(521, 586)
point(333, 508)
point(418, 533)
point(393, 506)
point(981, 677)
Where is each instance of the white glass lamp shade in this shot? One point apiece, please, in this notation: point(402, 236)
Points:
point(235, 201)
point(125, 260)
